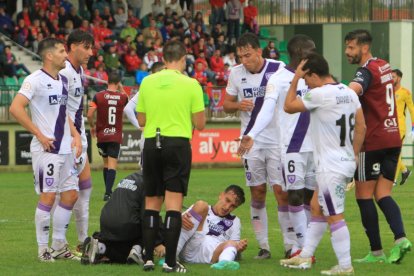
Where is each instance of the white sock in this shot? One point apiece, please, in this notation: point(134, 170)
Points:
point(298, 219)
point(314, 234)
point(259, 221)
point(81, 209)
point(228, 254)
point(288, 233)
point(42, 222)
point(102, 248)
point(341, 243)
point(185, 235)
point(61, 218)
point(307, 213)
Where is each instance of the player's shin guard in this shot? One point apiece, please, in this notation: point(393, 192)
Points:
point(314, 233)
point(289, 237)
point(150, 226)
point(61, 218)
point(42, 221)
point(81, 209)
point(341, 243)
point(259, 221)
point(299, 221)
point(392, 213)
point(187, 234)
point(172, 229)
point(110, 179)
point(228, 254)
point(369, 217)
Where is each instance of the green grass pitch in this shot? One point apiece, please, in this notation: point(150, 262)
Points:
point(18, 247)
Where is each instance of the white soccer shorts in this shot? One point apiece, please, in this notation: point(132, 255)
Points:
point(199, 249)
point(299, 170)
point(331, 194)
point(54, 172)
point(81, 160)
point(263, 166)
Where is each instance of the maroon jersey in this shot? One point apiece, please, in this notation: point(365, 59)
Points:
point(378, 104)
point(109, 107)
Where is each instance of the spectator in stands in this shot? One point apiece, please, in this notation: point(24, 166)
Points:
point(86, 27)
point(55, 28)
point(133, 20)
point(22, 33)
point(186, 19)
point(35, 29)
point(99, 5)
point(6, 23)
point(136, 6)
point(158, 46)
point(66, 5)
point(96, 17)
point(101, 73)
point(132, 61)
point(270, 51)
point(45, 28)
point(121, 18)
point(68, 28)
point(198, 19)
point(221, 44)
point(25, 15)
point(140, 45)
point(150, 58)
point(192, 33)
point(111, 58)
point(234, 13)
point(250, 18)
point(175, 7)
point(76, 19)
point(167, 30)
point(216, 61)
point(107, 16)
point(152, 32)
point(11, 63)
point(178, 25)
point(217, 12)
point(200, 46)
point(188, 4)
point(141, 73)
point(157, 7)
point(211, 47)
point(99, 60)
point(62, 17)
point(200, 73)
point(217, 31)
point(230, 59)
point(35, 43)
point(102, 33)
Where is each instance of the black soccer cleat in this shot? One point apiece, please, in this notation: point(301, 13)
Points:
point(404, 176)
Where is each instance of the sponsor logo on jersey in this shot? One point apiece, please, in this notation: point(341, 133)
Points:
point(291, 178)
point(49, 181)
point(127, 184)
point(53, 100)
point(383, 69)
point(268, 75)
point(254, 92)
point(390, 123)
point(386, 78)
point(343, 99)
point(112, 97)
point(109, 130)
point(78, 92)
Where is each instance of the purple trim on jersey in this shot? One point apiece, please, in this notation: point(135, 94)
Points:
point(290, 69)
point(41, 180)
point(85, 184)
point(76, 70)
point(44, 207)
point(295, 209)
point(78, 117)
point(282, 208)
point(61, 119)
point(271, 67)
point(299, 133)
point(284, 175)
point(64, 206)
point(263, 66)
point(329, 203)
point(50, 74)
point(196, 215)
point(221, 227)
point(258, 204)
point(337, 225)
point(318, 219)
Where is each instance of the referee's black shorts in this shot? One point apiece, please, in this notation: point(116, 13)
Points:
point(110, 149)
point(168, 168)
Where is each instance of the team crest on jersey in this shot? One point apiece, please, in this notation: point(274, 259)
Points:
point(228, 223)
point(340, 191)
point(216, 96)
point(49, 181)
point(249, 176)
point(268, 75)
point(291, 178)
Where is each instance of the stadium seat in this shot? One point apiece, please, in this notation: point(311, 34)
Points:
point(129, 81)
point(282, 46)
point(20, 80)
point(265, 33)
point(284, 57)
point(5, 98)
point(263, 43)
point(10, 81)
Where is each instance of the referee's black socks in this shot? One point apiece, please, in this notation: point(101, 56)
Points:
point(110, 179)
point(150, 228)
point(369, 218)
point(172, 230)
point(393, 215)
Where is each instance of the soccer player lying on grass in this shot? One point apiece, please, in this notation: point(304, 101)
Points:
point(210, 234)
point(120, 238)
point(337, 131)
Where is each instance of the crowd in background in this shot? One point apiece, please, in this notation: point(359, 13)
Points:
point(129, 42)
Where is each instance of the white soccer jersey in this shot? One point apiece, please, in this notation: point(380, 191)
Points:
point(129, 110)
point(246, 85)
point(220, 229)
point(333, 108)
point(75, 100)
point(47, 102)
point(294, 134)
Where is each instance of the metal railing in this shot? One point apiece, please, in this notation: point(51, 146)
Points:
point(273, 12)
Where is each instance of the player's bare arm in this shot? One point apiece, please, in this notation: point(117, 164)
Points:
point(231, 105)
point(17, 109)
point(142, 119)
point(187, 224)
point(356, 87)
point(359, 132)
point(91, 121)
point(246, 143)
point(77, 140)
point(294, 104)
point(199, 120)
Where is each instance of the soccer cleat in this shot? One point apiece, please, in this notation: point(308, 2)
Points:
point(45, 256)
point(148, 266)
point(399, 250)
point(337, 270)
point(78, 250)
point(226, 265)
point(64, 254)
point(106, 197)
point(263, 254)
point(178, 268)
point(297, 253)
point(404, 176)
point(370, 258)
point(92, 251)
point(297, 262)
point(85, 247)
point(135, 255)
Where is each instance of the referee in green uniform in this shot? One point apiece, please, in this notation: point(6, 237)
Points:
point(169, 104)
